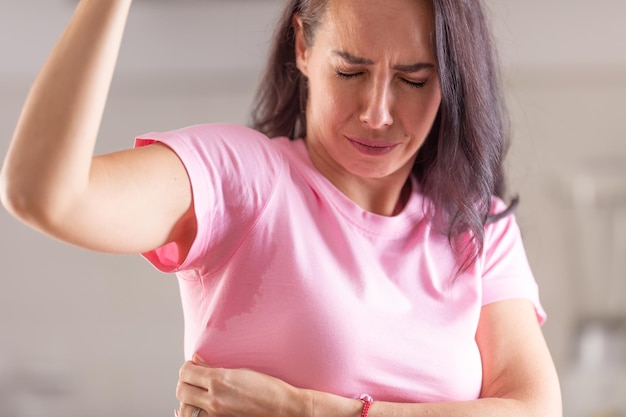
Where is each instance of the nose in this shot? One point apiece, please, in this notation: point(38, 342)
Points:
point(376, 111)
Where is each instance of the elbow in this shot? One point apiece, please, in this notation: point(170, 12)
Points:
point(8, 197)
point(23, 202)
point(14, 199)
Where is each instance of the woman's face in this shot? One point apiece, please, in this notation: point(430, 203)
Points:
point(373, 88)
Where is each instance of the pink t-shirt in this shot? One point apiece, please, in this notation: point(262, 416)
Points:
point(289, 277)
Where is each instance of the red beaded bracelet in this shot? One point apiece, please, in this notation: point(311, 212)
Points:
point(367, 402)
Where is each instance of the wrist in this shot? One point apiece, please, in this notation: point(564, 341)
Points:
point(367, 402)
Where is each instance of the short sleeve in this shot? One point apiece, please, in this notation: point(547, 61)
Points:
point(232, 170)
point(506, 273)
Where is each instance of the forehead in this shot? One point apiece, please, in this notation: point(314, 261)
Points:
point(362, 26)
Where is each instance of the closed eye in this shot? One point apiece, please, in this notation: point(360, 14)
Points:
point(347, 75)
point(414, 84)
point(351, 75)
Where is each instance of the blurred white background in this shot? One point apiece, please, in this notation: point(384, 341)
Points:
point(86, 334)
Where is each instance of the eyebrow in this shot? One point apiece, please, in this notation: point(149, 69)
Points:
point(355, 60)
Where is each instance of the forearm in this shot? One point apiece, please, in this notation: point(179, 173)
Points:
point(242, 392)
point(519, 380)
point(50, 155)
point(322, 405)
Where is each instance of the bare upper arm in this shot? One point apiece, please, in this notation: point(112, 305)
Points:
point(516, 360)
point(136, 200)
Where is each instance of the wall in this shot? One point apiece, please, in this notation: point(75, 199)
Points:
point(565, 77)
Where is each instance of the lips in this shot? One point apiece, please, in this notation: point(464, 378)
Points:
point(369, 147)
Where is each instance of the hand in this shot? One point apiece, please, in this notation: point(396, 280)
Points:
point(236, 393)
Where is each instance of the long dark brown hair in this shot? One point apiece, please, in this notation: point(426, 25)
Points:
point(460, 165)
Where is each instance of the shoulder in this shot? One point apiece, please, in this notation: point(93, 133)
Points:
point(217, 144)
point(205, 134)
point(502, 225)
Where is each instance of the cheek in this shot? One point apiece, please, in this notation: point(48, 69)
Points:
point(329, 103)
point(427, 107)
point(435, 98)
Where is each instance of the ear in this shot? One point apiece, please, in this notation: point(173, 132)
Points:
point(300, 45)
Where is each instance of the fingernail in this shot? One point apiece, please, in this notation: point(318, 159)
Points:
point(197, 358)
point(176, 412)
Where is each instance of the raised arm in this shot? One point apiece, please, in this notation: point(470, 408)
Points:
point(125, 202)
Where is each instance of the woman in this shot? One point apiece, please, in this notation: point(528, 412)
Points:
point(364, 249)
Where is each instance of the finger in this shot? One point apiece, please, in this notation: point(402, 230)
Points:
point(197, 359)
point(197, 375)
point(192, 395)
point(187, 410)
point(188, 372)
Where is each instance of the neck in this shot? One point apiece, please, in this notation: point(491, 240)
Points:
point(385, 197)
